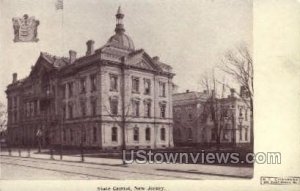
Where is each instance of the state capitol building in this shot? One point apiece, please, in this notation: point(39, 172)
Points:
point(114, 97)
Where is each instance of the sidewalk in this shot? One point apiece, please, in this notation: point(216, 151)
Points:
point(200, 169)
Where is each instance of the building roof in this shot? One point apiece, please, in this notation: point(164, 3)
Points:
point(189, 97)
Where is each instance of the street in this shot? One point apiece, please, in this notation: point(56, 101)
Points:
point(42, 167)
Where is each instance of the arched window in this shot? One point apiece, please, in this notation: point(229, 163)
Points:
point(136, 134)
point(163, 134)
point(148, 134)
point(114, 134)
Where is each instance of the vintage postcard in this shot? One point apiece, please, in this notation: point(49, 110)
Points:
point(110, 95)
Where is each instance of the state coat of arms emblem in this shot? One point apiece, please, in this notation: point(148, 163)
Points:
point(25, 29)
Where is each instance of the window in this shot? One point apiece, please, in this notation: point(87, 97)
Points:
point(177, 112)
point(246, 134)
point(70, 111)
point(95, 134)
point(190, 133)
point(148, 134)
point(147, 84)
point(225, 134)
point(64, 135)
point(93, 82)
point(83, 108)
point(64, 111)
point(114, 106)
point(163, 110)
point(213, 134)
point(114, 134)
point(70, 89)
point(136, 134)
point(246, 114)
point(148, 109)
point(190, 116)
point(63, 91)
point(162, 89)
point(240, 111)
point(135, 84)
point(83, 135)
point(83, 85)
point(113, 82)
point(71, 134)
point(94, 107)
point(163, 134)
point(136, 108)
point(241, 138)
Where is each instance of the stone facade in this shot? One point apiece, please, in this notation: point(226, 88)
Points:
point(111, 98)
point(194, 124)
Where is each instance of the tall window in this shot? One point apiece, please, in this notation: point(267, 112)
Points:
point(148, 109)
point(246, 134)
point(113, 82)
point(70, 89)
point(147, 84)
point(95, 134)
point(162, 89)
point(70, 111)
point(93, 82)
point(148, 134)
point(136, 134)
point(136, 108)
point(83, 108)
point(190, 133)
point(163, 134)
point(162, 110)
point(64, 135)
point(71, 135)
point(114, 134)
point(114, 106)
point(64, 111)
point(135, 84)
point(94, 107)
point(83, 85)
point(246, 114)
point(241, 138)
point(83, 136)
point(63, 91)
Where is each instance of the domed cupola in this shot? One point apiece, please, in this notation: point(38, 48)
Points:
point(120, 39)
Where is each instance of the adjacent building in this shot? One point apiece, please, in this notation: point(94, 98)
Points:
point(201, 120)
point(113, 97)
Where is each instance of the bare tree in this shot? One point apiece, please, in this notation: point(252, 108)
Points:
point(121, 120)
point(3, 117)
point(238, 63)
point(212, 107)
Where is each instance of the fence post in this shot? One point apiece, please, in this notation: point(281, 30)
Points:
point(81, 152)
point(51, 152)
point(28, 151)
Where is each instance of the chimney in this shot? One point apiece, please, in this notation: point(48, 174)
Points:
point(156, 58)
point(15, 77)
point(187, 91)
point(90, 47)
point(72, 58)
point(232, 91)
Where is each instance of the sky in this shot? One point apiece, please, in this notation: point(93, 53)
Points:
point(191, 36)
